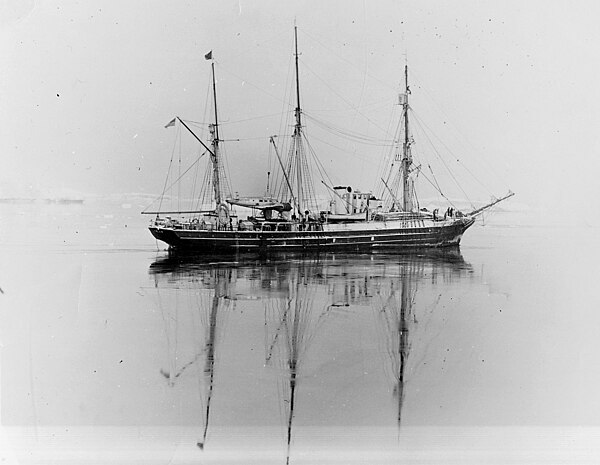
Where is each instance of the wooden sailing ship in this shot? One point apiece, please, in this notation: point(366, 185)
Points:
point(292, 221)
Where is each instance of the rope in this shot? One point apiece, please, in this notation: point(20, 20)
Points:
point(318, 163)
point(352, 106)
point(354, 137)
point(344, 59)
point(451, 153)
point(418, 119)
point(161, 196)
point(251, 119)
point(339, 148)
point(458, 131)
point(177, 180)
point(441, 193)
point(434, 178)
point(255, 86)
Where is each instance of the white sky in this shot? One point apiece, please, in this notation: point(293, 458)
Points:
point(87, 87)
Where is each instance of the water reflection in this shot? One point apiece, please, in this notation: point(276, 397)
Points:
point(394, 312)
point(293, 319)
point(186, 308)
point(303, 300)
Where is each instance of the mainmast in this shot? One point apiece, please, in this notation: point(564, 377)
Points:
point(297, 165)
point(297, 112)
point(297, 137)
point(214, 131)
point(406, 155)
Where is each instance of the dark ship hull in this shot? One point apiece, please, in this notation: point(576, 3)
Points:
point(370, 236)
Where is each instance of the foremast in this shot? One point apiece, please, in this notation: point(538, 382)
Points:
point(214, 132)
point(219, 179)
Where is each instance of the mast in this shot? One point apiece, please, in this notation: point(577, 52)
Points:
point(214, 130)
point(298, 128)
point(297, 164)
point(406, 156)
point(297, 112)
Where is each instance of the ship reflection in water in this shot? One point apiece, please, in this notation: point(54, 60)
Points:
point(340, 337)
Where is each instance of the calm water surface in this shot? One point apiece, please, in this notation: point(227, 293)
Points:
point(112, 351)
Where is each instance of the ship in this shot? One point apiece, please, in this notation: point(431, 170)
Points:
point(293, 221)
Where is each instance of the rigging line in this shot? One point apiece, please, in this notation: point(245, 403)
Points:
point(193, 196)
point(165, 188)
point(249, 138)
point(286, 97)
point(392, 154)
point(455, 157)
point(205, 189)
point(198, 200)
point(458, 131)
point(475, 177)
point(255, 86)
point(434, 178)
point(366, 70)
point(184, 173)
point(391, 171)
point(197, 123)
point(351, 106)
point(385, 158)
point(280, 181)
point(361, 158)
point(376, 104)
point(269, 161)
point(179, 185)
point(441, 158)
point(318, 163)
point(227, 172)
point(251, 119)
point(224, 172)
point(415, 196)
point(208, 102)
point(161, 196)
point(341, 133)
point(435, 187)
point(346, 60)
point(316, 159)
point(350, 139)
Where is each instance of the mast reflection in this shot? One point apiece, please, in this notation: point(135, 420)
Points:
point(292, 319)
point(198, 300)
point(299, 295)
